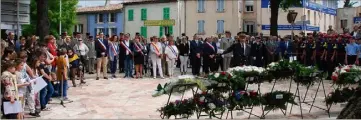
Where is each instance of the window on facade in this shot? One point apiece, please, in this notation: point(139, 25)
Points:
point(343, 23)
point(201, 26)
point(143, 14)
point(249, 27)
point(249, 6)
point(78, 28)
point(112, 31)
point(130, 15)
point(166, 14)
point(220, 26)
point(100, 18)
point(112, 17)
point(220, 5)
point(143, 31)
point(98, 30)
point(200, 6)
point(308, 15)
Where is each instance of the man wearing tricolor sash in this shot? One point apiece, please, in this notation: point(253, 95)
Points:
point(156, 56)
point(101, 48)
point(209, 56)
point(128, 48)
point(113, 54)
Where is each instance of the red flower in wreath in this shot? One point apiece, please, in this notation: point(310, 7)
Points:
point(229, 76)
point(334, 78)
point(201, 103)
point(242, 92)
point(347, 70)
point(204, 92)
point(223, 73)
point(185, 101)
point(350, 66)
point(253, 93)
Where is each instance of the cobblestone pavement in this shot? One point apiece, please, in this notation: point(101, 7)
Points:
point(131, 98)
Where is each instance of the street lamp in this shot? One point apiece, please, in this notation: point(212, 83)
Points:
point(291, 17)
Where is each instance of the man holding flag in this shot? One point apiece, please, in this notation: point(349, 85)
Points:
point(101, 48)
point(127, 46)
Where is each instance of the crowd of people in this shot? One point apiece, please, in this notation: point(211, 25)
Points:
point(69, 57)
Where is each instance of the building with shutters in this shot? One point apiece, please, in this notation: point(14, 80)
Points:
point(317, 14)
point(107, 19)
point(152, 17)
point(347, 18)
point(210, 17)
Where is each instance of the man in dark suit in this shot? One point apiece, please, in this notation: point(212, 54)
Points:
point(209, 56)
point(258, 53)
point(101, 48)
point(11, 40)
point(127, 47)
point(196, 49)
point(121, 54)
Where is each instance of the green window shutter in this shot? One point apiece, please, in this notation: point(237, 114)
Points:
point(143, 31)
point(166, 13)
point(170, 30)
point(160, 31)
point(143, 14)
point(130, 15)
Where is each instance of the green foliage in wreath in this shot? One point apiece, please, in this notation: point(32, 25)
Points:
point(340, 96)
point(349, 78)
point(306, 75)
point(220, 82)
point(184, 108)
point(282, 69)
point(277, 99)
point(242, 99)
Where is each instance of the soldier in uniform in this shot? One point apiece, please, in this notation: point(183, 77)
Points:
point(320, 50)
point(310, 51)
point(258, 53)
point(341, 49)
point(330, 54)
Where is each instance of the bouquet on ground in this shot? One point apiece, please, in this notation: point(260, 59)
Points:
point(179, 85)
point(346, 75)
point(210, 103)
point(250, 73)
point(306, 75)
point(242, 99)
point(184, 108)
point(277, 100)
point(282, 69)
point(340, 96)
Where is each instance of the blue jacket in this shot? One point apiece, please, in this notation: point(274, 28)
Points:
point(195, 48)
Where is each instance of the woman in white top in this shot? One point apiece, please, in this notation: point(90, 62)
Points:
point(82, 50)
point(156, 56)
point(171, 52)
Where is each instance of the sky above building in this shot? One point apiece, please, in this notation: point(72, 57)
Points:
point(87, 3)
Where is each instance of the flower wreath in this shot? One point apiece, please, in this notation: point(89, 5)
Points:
point(345, 75)
point(252, 74)
point(241, 99)
point(282, 69)
point(340, 96)
point(277, 99)
point(184, 108)
point(210, 103)
point(306, 75)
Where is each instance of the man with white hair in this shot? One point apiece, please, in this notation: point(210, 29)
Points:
point(164, 43)
point(226, 43)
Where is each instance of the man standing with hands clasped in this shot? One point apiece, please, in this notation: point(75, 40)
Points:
point(196, 49)
point(101, 47)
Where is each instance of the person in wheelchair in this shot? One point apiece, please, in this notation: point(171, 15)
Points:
point(74, 64)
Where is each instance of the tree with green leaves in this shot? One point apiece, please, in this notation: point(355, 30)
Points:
point(349, 3)
point(275, 5)
point(45, 17)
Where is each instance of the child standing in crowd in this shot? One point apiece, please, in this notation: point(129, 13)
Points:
point(47, 92)
point(171, 52)
point(74, 65)
point(62, 74)
point(22, 85)
point(9, 88)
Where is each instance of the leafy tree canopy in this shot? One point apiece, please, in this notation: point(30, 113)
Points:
point(68, 17)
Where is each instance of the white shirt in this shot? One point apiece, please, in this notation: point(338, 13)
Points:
point(244, 48)
point(127, 45)
point(82, 49)
point(153, 49)
point(171, 54)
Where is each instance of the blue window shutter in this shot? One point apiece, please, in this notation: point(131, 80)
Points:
point(199, 26)
point(202, 26)
point(222, 26)
point(222, 6)
point(115, 17)
point(199, 2)
point(203, 7)
point(218, 5)
point(218, 26)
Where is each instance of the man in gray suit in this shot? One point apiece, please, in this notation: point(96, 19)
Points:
point(91, 54)
point(225, 44)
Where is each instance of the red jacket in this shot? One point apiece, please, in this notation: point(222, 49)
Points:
point(52, 50)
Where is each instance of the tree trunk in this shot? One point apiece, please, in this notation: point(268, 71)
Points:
point(353, 107)
point(42, 24)
point(274, 17)
point(347, 3)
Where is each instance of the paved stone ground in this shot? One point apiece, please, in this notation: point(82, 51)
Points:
point(131, 99)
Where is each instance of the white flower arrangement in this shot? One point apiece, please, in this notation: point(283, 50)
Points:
point(343, 69)
point(247, 69)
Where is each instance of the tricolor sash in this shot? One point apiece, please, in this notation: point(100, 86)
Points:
point(115, 53)
point(126, 47)
point(156, 48)
point(211, 46)
point(173, 51)
point(103, 46)
point(138, 49)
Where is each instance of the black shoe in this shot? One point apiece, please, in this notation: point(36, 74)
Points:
point(131, 76)
point(34, 114)
point(125, 76)
point(91, 73)
point(97, 78)
point(105, 78)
